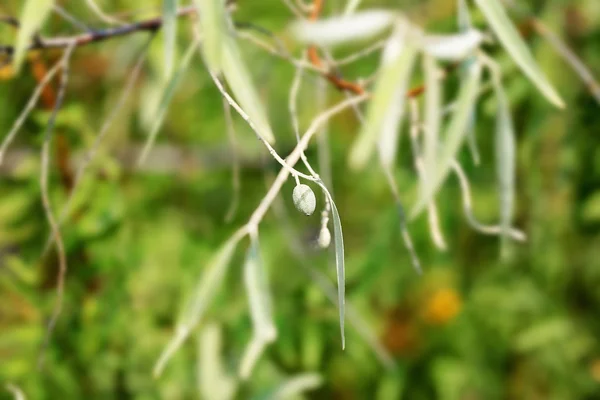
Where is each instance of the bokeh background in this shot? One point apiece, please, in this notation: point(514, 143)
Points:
point(471, 327)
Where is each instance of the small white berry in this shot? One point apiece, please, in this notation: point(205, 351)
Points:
point(324, 238)
point(304, 199)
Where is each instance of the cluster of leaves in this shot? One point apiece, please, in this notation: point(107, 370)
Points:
point(135, 240)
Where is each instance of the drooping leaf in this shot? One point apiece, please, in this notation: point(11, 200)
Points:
point(241, 84)
point(169, 29)
point(505, 161)
point(259, 299)
point(165, 101)
point(294, 386)
point(433, 120)
point(214, 382)
point(339, 266)
point(397, 62)
point(339, 261)
point(454, 136)
point(452, 47)
point(344, 29)
point(508, 35)
point(196, 306)
point(259, 294)
point(213, 27)
point(32, 17)
point(463, 16)
point(351, 6)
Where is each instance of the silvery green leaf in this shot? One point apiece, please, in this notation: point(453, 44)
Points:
point(505, 161)
point(32, 17)
point(169, 33)
point(387, 143)
point(508, 35)
point(351, 6)
point(397, 63)
point(339, 261)
point(454, 136)
point(464, 16)
point(241, 84)
point(213, 27)
point(196, 306)
point(259, 299)
point(214, 382)
point(165, 101)
point(452, 47)
point(339, 266)
point(344, 29)
point(259, 294)
point(208, 284)
point(296, 385)
point(433, 119)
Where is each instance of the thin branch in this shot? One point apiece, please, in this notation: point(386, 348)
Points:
point(8, 139)
point(54, 226)
point(149, 25)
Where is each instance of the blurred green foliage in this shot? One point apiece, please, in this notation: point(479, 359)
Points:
point(470, 328)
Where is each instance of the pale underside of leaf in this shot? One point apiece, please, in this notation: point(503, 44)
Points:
point(452, 47)
point(213, 27)
point(169, 34)
point(32, 17)
point(454, 136)
point(241, 84)
point(344, 29)
point(508, 35)
point(505, 161)
point(393, 78)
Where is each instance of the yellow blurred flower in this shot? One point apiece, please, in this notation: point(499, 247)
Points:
point(6, 72)
point(442, 306)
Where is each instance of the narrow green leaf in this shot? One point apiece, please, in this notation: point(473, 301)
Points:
point(454, 136)
point(259, 299)
point(463, 16)
point(339, 267)
point(397, 62)
point(351, 6)
point(259, 294)
point(213, 380)
point(389, 137)
point(343, 29)
point(339, 261)
point(241, 84)
point(293, 387)
point(208, 284)
point(213, 27)
point(508, 35)
point(32, 17)
point(433, 120)
point(198, 303)
point(505, 162)
point(165, 101)
point(169, 34)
